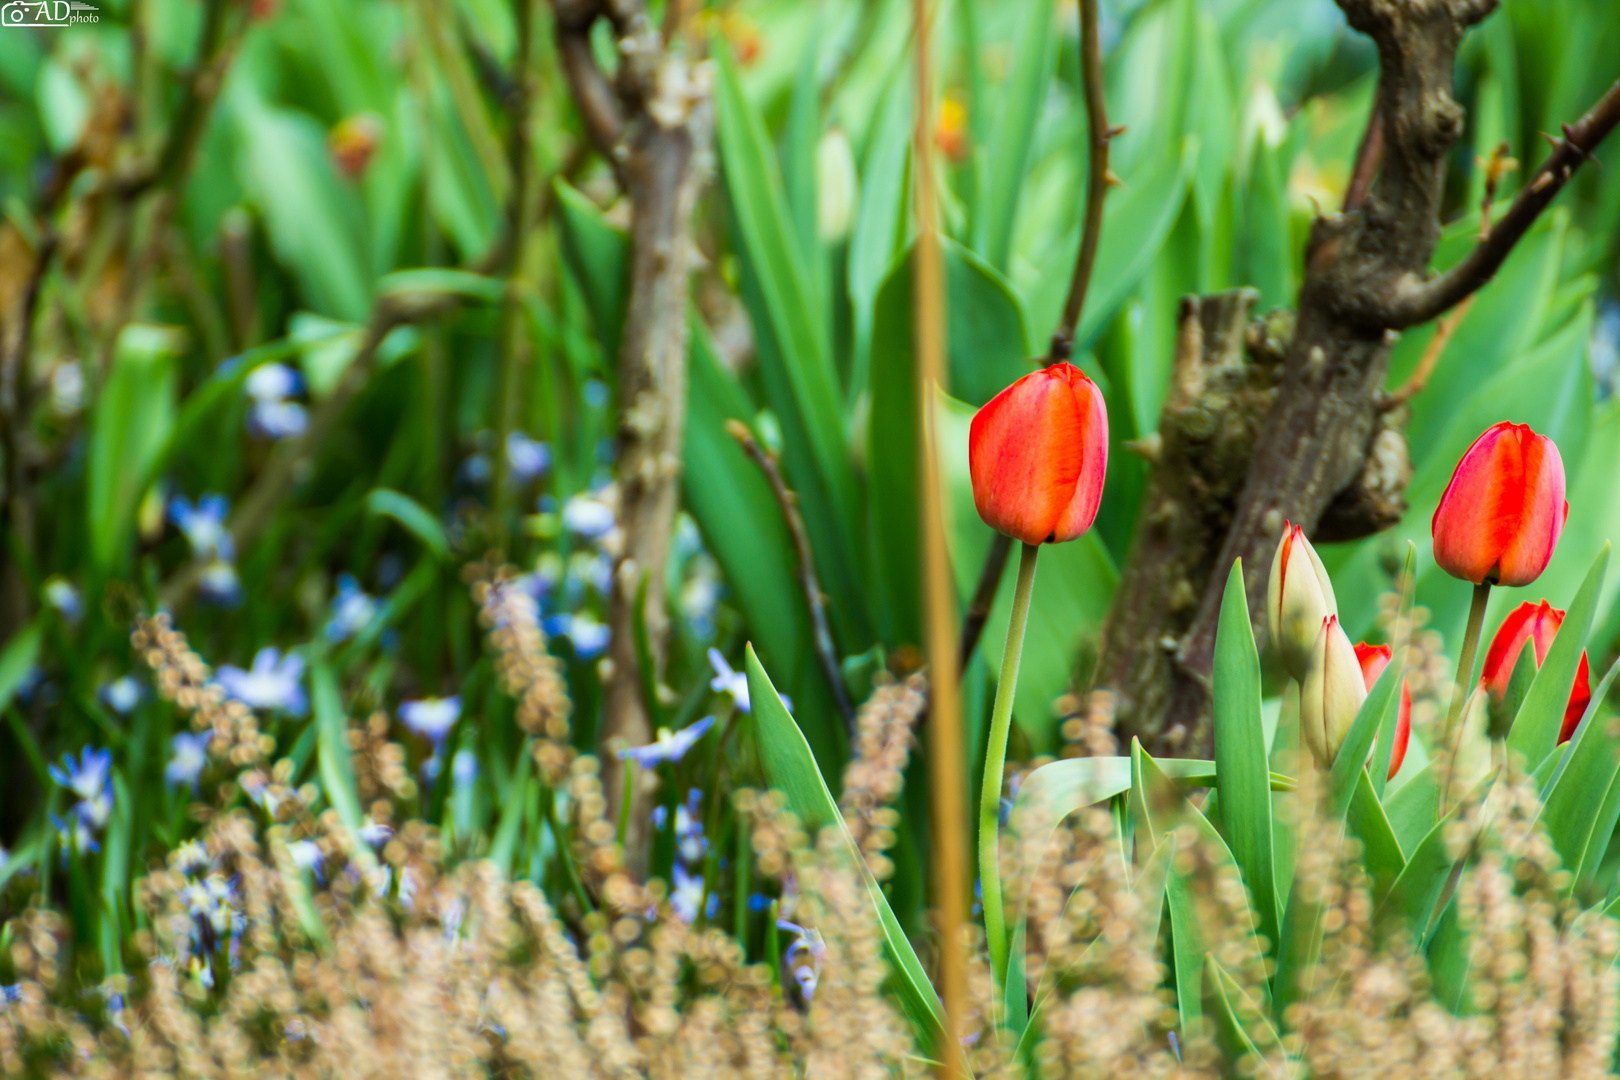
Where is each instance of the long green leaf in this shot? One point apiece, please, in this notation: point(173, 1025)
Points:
point(1240, 751)
point(1381, 851)
point(17, 659)
point(336, 764)
point(415, 518)
point(791, 769)
point(1583, 804)
point(1535, 732)
point(1413, 896)
point(599, 256)
point(130, 426)
point(1024, 93)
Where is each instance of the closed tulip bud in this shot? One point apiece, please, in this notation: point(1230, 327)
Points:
point(1504, 509)
point(1331, 694)
point(1537, 624)
point(1373, 660)
point(1037, 453)
point(1298, 598)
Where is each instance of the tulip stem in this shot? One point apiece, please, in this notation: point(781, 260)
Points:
point(995, 760)
point(1465, 675)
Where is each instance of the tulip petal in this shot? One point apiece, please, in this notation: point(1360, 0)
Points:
point(1088, 486)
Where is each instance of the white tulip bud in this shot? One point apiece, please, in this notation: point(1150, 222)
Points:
point(1331, 693)
point(1298, 597)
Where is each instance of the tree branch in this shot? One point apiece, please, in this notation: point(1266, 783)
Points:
point(788, 502)
point(1098, 181)
point(1419, 301)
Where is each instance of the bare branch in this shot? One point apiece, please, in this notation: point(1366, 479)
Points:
point(1097, 183)
point(788, 502)
point(594, 95)
point(1369, 155)
point(1419, 301)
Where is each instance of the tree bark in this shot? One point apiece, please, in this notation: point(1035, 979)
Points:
point(1325, 454)
point(655, 128)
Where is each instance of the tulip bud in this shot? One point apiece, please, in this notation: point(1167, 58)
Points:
point(1504, 509)
point(1331, 694)
point(1037, 454)
point(1538, 624)
point(1373, 660)
point(1298, 598)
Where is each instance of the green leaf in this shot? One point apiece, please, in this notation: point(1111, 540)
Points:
point(130, 427)
point(515, 803)
point(1583, 803)
point(336, 765)
point(1384, 748)
point(795, 359)
point(598, 254)
point(986, 350)
point(1416, 891)
point(1380, 850)
point(1269, 259)
point(316, 223)
point(791, 769)
point(1024, 93)
point(1535, 732)
point(880, 221)
point(799, 139)
point(17, 659)
point(1410, 808)
point(1223, 998)
point(1380, 709)
point(720, 487)
point(1240, 751)
point(412, 516)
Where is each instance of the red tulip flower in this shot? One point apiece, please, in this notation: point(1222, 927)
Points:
point(1504, 509)
point(1374, 659)
point(1038, 452)
point(1537, 623)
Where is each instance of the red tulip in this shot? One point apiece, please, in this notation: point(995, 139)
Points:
point(1038, 452)
point(1299, 596)
point(1538, 623)
point(1504, 509)
point(1374, 659)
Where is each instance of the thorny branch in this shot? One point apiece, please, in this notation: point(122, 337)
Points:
point(826, 654)
point(1098, 181)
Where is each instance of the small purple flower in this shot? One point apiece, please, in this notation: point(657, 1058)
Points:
point(431, 718)
point(273, 415)
point(590, 637)
point(374, 833)
point(204, 526)
point(802, 960)
point(122, 694)
point(735, 683)
point(75, 834)
point(305, 854)
point(670, 746)
point(526, 457)
point(352, 610)
point(190, 757)
point(219, 584)
point(588, 518)
point(686, 894)
point(273, 382)
point(88, 777)
point(272, 682)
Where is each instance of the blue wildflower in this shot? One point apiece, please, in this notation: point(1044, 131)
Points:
point(272, 682)
point(670, 746)
point(588, 518)
point(61, 595)
point(204, 526)
point(190, 757)
point(735, 683)
point(686, 894)
point(305, 854)
point(464, 767)
point(273, 415)
point(219, 584)
point(122, 694)
point(431, 718)
point(76, 834)
point(352, 610)
point(89, 777)
point(802, 961)
point(526, 457)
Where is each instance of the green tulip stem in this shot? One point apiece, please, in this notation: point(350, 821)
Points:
point(1465, 674)
point(995, 760)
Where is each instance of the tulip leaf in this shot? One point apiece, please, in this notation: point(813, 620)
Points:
point(598, 254)
point(412, 516)
point(336, 762)
point(1224, 1000)
point(130, 427)
point(880, 222)
point(1380, 850)
point(1410, 808)
point(1025, 89)
point(1380, 709)
point(17, 659)
point(1384, 748)
point(1240, 751)
point(1582, 804)
point(1535, 732)
point(1417, 890)
point(791, 769)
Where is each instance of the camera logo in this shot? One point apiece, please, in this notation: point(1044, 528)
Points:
point(47, 13)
